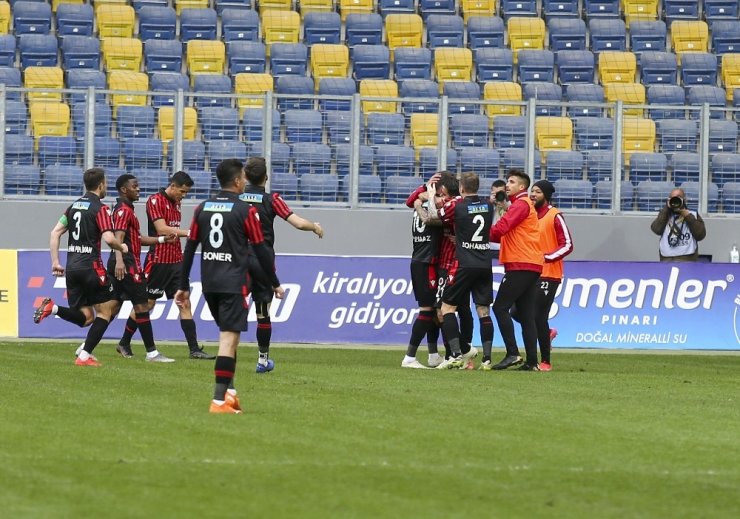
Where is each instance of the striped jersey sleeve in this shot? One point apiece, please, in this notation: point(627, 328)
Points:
point(280, 207)
point(252, 227)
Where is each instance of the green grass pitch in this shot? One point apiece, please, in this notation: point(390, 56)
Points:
point(348, 433)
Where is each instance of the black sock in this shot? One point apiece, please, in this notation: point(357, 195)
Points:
point(71, 315)
point(452, 333)
point(188, 328)
point(433, 337)
point(445, 342)
point(264, 334)
point(224, 371)
point(95, 333)
point(145, 329)
point(420, 328)
point(466, 325)
point(486, 336)
point(128, 331)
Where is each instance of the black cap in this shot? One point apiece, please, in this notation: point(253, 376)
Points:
point(546, 187)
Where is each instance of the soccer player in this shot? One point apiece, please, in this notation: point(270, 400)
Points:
point(471, 216)
point(522, 258)
point(125, 269)
point(89, 289)
point(225, 226)
point(164, 261)
point(268, 205)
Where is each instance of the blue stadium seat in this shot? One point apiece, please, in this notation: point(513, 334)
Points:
point(197, 24)
point(318, 188)
point(428, 159)
point(279, 157)
point(74, 19)
point(371, 62)
point(484, 186)
point(253, 122)
point(601, 8)
point(592, 133)
point(445, 30)
point(725, 167)
point(16, 117)
point(680, 10)
point(135, 122)
point(607, 34)
point(169, 82)
point(493, 64)
point(139, 4)
point(726, 37)
point(81, 52)
point(386, 7)
point(215, 84)
point(484, 161)
point(288, 59)
point(294, 85)
point(584, 93)
point(730, 197)
point(685, 167)
point(163, 55)
point(246, 56)
point(22, 180)
point(57, 150)
point(677, 135)
point(11, 77)
point(519, 8)
point(567, 33)
point(462, 90)
point(698, 68)
point(18, 149)
point(103, 119)
point(554, 9)
point(574, 194)
point(545, 92)
point(31, 18)
point(722, 136)
point(7, 50)
point(650, 196)
point(151, 180)
point(648, 166)
point(341, 87)
point(243, 5)
point(142, 152)
point(219, 123)
point(692, 195)
point(599, 165)
point(485, 31)
point(419, 88)
point(283, 182)
point(510, 131)
point(203, 182)
point(603, 195)
point(564, 164)
point(575, 67)
point(398, 187)
point(303, 126)
point(311, 158)
point(342, 158)
point(720, 10)
point(370, 188)
point(338, 126)
point(666, 95)
point(427, 7)
point(363, 29)
point(394, 160)
point(321, 28)
point(63, 180)
point(384, 128)
point(658, 68)
point(240, 25)
point(712, 95)
point(38, 50)
point(107, 152)
point(536, 65)
point(412, 63)
point(469, 130)
point(219, 150)
point(647, 36)
point(157, 23)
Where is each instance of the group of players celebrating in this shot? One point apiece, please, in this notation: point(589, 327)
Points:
point(455, 233)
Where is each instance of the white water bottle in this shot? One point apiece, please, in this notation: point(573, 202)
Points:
point(734, 255)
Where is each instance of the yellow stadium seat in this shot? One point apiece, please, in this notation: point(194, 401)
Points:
point(639, 10)
point(525, 33)
point(378, 88)
point(252, 84)
point(452, 64)
point(49, 119)
point(279, 5)
point(43, 77)
point(189, 4)
point(617, 67)
point(4, 17)
point(478, 8)
point(347, 7)
point(205, 57)
point(122, 54)
point(502, 91)
point(316, 6)
point(689, 36)
point(126, 80)
point(638, 135)
point(553, 133)
point(329, 60)
point(628, 93)
point(403, 30)
point(424, 131)
point(280, 27)
point(115, 21)
point(731, 73)
point(55, 3)
point(166, 123)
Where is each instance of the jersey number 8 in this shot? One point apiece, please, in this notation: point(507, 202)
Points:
point(216, 236)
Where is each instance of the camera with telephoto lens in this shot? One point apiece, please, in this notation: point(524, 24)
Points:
point(500, 196)
point(675, 203)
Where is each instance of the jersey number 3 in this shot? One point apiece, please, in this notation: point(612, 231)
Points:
point(77, 217)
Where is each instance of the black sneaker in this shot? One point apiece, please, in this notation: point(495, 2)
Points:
point(508, 361)
point(529, 367)
point(202, 355)
point(125, 351)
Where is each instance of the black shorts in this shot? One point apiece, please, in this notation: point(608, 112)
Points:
point(260, 285)
point(86, 288)
point(230, 311)
point(475, 281)
point(162, 279)
point(424, 281)
point(130, 288)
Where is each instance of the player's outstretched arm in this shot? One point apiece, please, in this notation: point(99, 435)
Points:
point(302, 224)
point(54, 239)
point(153, 240)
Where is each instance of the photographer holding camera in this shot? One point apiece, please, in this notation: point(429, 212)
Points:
point(500, 204)
point(679, 228)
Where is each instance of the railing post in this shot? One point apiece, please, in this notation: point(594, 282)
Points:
point(2, 139)
point(354, 152)
point(267, 135)
point(617, 158)
point(442, 136)
point(90, 128)
point(704, 159)
point(530, 140)
point(179, 134)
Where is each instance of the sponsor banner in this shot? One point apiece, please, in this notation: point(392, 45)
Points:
point(370, 300)
point(8, 293)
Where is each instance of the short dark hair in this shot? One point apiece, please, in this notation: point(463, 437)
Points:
point(256, 170)
point(181, 179)
point(449, 181)
point(522, 175)
point(228, 170)
point(92, 178)
point(470, 182)
point(123, 180)
point(498, 183)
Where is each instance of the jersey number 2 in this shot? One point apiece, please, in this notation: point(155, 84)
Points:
point(216, 236)
point(481, 222)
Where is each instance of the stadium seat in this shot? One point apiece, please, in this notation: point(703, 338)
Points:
point(680, 10)
point(648, 166)
point(730, 197)
point(445, 30)
point(49, 119)
point(574, 194)
point(303, 126)
point(38, 50)
point(640, 10)
point(274, 5)
point(329, 61)
point(650, 196)
point(339, 126)
point(692, 195)
point(555, 9)
point(617, 67)
point(18, 149)
point(322, 28)
point(142, 152)
point(75, 19)
point(151, 180)
point(125, 80)
point(412, 63)
point(485, 32)
point(316, 6)
point(363, 29)
point(7, 50)
point(429, 7)
point(294, 85)
point(317, 187)
point(378, 88)
point(122, 54)
point(699, 68)
point(601, 8)
point(240, 25)
point(343, 87)
point(4, 17)
point(170, 83)
point(477, 8)
point(253, 123)
point(518, 8)
point(398, 187)
point(309, 158)
point(203, 181)
point(424, 131)
point(725, 167)
point(731, 73)
point(628, 93)
point(135, 122)
point(219, 150)
point(206, 57)
point(107, 152)
point(566, 33)
point(722, 136)
point(536, 65)
point(81, 52)
point(575, 67)
point(594, 134)
point(720, 10)
point(547, 92)
point(248, 56)
point(502, 91)
point(157, 23)
point(705, 94)
point(685, 167)
point(607, 34)
point(666, 95)
point(387, 7)
point(689, 36)
point(198, 24)
point(638, 136)
point(484, 161)
point(584, 93)
point(603, 195)
point(16, 117)
point(252, 85)
point(403, 30)
point(57, 150)
point(394, 160)
point(469, 130)
point(677, 135)
point(342, 154)
point(452, 64)
point(166, 123)
point(163, 55)
point(429, 158)
point(63, 180)
point(180, 5)
point(283, 182)
point(525, 33)
point(115, 21)
point(103, 123)
point(516, 158)
point(280, 27)
point(371, 62)
point(22, 180)
point(510, 131)
point(418, 88)
point(350, 7)
point(289, 59)
point(599, 165)
point(564, 164)
point(492, 64)
point(648, 36)
point(385, 128)
point(658, 68)
point(31, 18)
point(726, 37)
point(43, 77)
point(83, 79)
point(462, 90)
point(553, 133)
